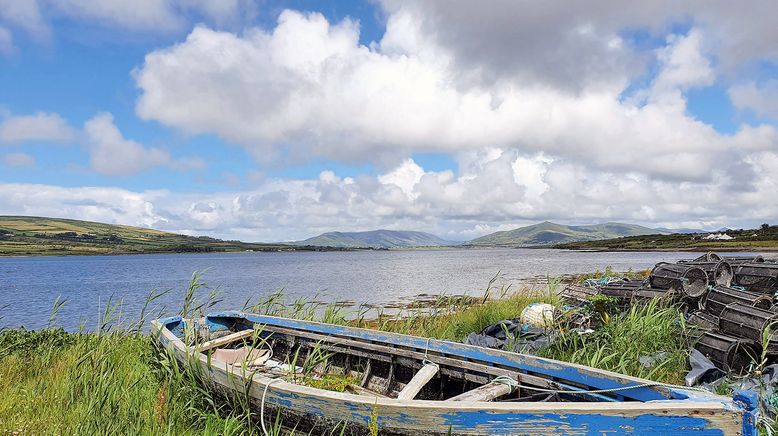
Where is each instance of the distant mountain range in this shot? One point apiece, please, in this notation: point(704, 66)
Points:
point(682, 230)
point(545, 233)
point(548, 233)
point(376, 239)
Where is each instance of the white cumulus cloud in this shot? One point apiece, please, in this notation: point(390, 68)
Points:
point(41, 126)
point(18, 160)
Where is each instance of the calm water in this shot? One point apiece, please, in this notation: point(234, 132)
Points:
point(29, 285)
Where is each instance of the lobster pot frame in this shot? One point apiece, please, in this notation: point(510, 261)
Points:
point(749, 322)
point(703, 321)
point(741, 260)
point(698, 323)
point(578, 295)
point(758, 277)
point(707, 257)
point(726, 352)
point(689, 279)
point(719, 273)
point(623, 291)
point(719, 297)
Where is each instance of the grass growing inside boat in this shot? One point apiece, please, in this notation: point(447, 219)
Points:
point(113, 381)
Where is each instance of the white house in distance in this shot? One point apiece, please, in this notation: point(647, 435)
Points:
point(719, 237)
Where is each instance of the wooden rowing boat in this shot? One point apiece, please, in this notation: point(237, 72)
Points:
point(411, 385)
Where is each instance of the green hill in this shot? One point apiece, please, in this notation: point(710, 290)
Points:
point(548, 233)
point(376, 239)
point(762, 239)
point(25, 235)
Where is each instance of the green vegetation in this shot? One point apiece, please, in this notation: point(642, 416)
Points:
point(114, 381)
point(32, 236)
point(548, 233)
point(763, 238)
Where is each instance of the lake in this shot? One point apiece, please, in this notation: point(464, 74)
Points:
point(30, 285)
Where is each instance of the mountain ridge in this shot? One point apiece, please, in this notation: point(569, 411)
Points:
point(548, 233)
point(381, 238)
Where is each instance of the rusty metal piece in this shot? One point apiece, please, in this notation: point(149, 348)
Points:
point(578, 295)
point(719, 273)
point(749, 322)
point(688, 279)
point(719, 297)
point(758, 277)
point(728, 353)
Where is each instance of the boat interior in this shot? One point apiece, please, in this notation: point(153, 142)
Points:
point(376, 368)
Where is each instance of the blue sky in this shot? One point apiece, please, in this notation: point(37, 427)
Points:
point(276, 120)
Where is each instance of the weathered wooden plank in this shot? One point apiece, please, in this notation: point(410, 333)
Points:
point(366, 375)
point(487, 392)
point(224, 340)
point(587, 377)
point(392, 351)
point(451, 367)
point(359, 390)
point(419, 380)
point(248, 355)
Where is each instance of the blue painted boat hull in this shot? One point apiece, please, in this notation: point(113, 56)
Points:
point(642, 409)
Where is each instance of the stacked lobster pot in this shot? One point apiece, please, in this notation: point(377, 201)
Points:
point(735, 321)
point(728, 301)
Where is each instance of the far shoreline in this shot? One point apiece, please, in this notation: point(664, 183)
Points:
point(441, 248)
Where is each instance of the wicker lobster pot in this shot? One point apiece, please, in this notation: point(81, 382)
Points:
point(726, 352)
point(578, 295)
point(740, 260)
point(688, 279)
point(749, 322)
point(758, 277)
point(719, 273)
point(719, 297)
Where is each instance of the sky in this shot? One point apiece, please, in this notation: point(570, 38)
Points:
point(276, 121)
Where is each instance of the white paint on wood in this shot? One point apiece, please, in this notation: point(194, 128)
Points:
point(487, 392)
point(418, 381)
point(224, 340)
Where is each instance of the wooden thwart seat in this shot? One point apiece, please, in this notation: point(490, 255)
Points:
point(487, 392)
point(251, 356)
point(418, 381)
point(224, 340)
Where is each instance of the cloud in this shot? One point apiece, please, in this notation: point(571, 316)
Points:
point(26, 15)
point(112, 154)
point(41, 126)
point(157, 16)
point(308, 89)
point(762, 99)
point(6, 41)
point(154, 15)
point(18, 160)
point(497, 190)
point(574, 46)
